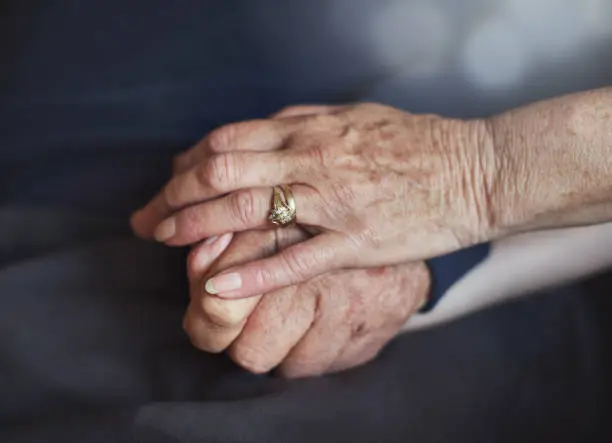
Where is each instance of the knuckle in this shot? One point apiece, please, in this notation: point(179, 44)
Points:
point(370, 106)
point(172, 193)
point(243, 207)
point(287, 110)
point(221, 139)
point(343, 195)
point(192, 268)
point(250, 358)
point(296, 367)
point(285, 371)
point(316, 153)
point(371, 236)
point(202, 173)
point(198, 340)
point(364, 235)
point(221, 171)
point(265, 277)
point(397, 310)
point(220, 312)
point(190, 222)
point(207, 345)
point(297, 263)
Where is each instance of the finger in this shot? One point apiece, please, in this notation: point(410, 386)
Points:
point(396, 297)
point(204, 255)
point(294, 265)
point(239, 211)
point(305, 110)
point(253, 135)
point(213, 323)
point(228, 315)
point(214, 333)
point(217, 322)
point(359, 352)
point(220, 320)
point(244, 248)
point(226, 172)
point(323, 343)
point(206, 160)
point(247, 247)
point(217, 175)
point(144, 221)
point(280, 320)
point(366, 342)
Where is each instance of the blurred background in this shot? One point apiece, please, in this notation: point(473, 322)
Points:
point(97, 89)
point(97, 96)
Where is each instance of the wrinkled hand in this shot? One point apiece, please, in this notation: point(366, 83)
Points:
point(333, 322)
point(378, 185)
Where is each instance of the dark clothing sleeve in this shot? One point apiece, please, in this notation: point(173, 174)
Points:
point(449, 269)
point(95, 99)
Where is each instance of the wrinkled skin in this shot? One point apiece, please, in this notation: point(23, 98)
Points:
point(330, 323)
point(378, 186)
point(333, 322)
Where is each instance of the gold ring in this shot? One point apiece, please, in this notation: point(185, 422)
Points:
point(283, 211)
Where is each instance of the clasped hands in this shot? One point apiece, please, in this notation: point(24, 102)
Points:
point(376, 189)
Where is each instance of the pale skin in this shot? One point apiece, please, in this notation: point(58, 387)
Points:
point(327, 324)
point(380, 186)
point(554, 161)
point(545, 165)
point(353, 188)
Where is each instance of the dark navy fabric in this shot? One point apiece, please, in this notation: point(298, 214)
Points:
point(98, 129)
point(448, 269)
point(95, 99)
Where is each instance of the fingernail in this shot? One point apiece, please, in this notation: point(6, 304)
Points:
point(165, 230)
point(205, 256)
point(211, 240)
point(223, 283)
point(215, 246)
point(223, 243)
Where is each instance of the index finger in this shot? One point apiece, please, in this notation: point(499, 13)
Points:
point(252, 135)
point(214, 176)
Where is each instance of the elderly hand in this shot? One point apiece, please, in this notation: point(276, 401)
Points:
point(378, 185)
point(333, 322)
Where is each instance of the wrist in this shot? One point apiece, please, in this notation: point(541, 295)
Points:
point(476, 183)
point(504, 180)
point(550, 164)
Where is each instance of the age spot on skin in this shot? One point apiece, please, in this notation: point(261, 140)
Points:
point(359, 330)
point(376, 271)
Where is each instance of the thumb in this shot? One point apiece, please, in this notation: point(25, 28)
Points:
point(295, 264)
